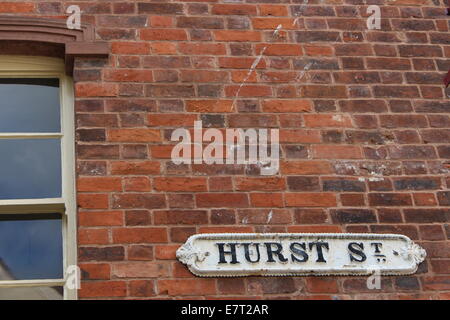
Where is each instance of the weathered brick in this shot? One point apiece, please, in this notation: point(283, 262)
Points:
point(101, 253)
point(353, 216)
point(138, 200)
point(140, 270)
point(139, 235)
point(310, 199)
point(187, 287)
point(103, 289)
point(181, 217)
point(425, 215)
point(390, 199)
point(215, 200)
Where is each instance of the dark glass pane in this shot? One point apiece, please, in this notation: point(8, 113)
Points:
point(29, 105)
point(31, 246)
point(31, 293)
point(30, 168)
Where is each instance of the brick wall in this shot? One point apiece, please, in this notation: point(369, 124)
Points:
point(364, 128)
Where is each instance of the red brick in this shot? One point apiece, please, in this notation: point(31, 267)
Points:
point(424, 199)
point(273, 10)
point(238, 36)
point(323, 91)
point(135, 167)
point(140, 270)
point(134, 135)
point(14, 7)
point(233, 9)
point(167, 252)
point(274, 23)
point(286, 106)
point(259, 184)
point(441, 266)
point(203, 76)
point(163, 48)
point(231, 286)
point(215, 106)
point(100, 218)
point(161, 21)
point(103, 289)
point(163, 34)
point(139, 235)
point(436, 283)
point(194, 217)
point(161, 152)
point(267, 200)
point(316, 50)
point(187, 287)
point(321, 285)
point(96, 90)
point(95, 271)
point(217, 200)
point(315, 229)
point(336, 152)
point(137, 184)
point(202, 48)
point(305, 167)
point(99, 184)
point(236, 229)
point(179, 270)
point(241, 63)
point(390, 199)
point(248, 91)
point(139, 200)
point(130, 48)
point(279, 49)
point(310, 199)
point(180, 184)
point(174, 120)
point(142, 288)
point(299, 136)
point(325, 120)
point(93, 201)
point(93, 236)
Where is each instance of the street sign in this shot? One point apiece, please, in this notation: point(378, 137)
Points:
point(297, 254)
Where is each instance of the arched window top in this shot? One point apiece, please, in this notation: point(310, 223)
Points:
point(76, 43)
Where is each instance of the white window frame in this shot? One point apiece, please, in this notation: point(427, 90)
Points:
point(46, 67)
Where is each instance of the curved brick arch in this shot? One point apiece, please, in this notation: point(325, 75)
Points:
point(53, 32)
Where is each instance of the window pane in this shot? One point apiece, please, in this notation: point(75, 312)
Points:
point(31, 246)
point(31, 293)
point(29, 105)
point(30, 168)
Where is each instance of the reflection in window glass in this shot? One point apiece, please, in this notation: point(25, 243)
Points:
point(31, 293)
point(29, 105)
point(31, 246)
point(30, 168)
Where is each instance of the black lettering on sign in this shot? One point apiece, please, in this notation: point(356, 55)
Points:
point(247, 252)
point(357, 249)
point(377, 246)
point(271, 251)
point(222, 252)
point(294, 247)
point(319, 245)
